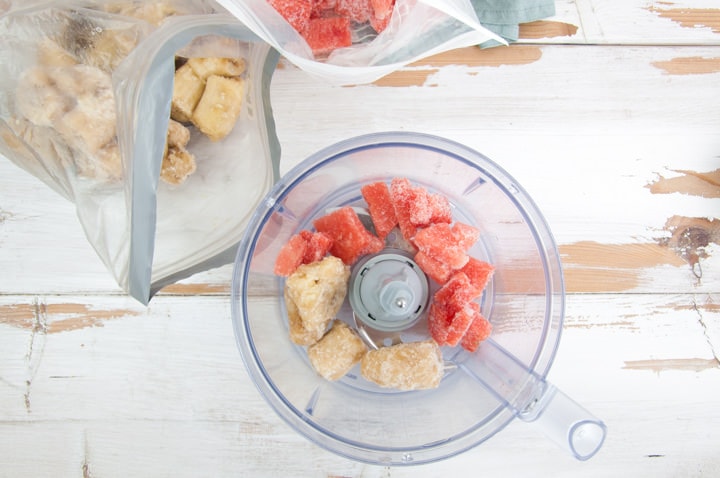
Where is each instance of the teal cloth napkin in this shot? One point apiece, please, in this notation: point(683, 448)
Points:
point(504, 17)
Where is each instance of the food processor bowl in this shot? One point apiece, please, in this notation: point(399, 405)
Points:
point(480, 392)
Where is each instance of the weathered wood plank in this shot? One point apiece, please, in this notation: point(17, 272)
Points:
point(163, 392)
point(572, 130)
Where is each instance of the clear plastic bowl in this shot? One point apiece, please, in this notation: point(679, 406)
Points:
point(524, 302)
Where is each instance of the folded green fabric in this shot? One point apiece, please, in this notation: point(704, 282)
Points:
point(504, 17)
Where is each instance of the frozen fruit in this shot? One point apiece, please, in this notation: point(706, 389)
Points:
point(465, 234)
point(402, 196)
point(358, 11)
point(382, 212)
point(290, 256)
point(325, 34)
point(460, 323)
point(479, 330)
point(440, 210)
point(479, 273)
point(318, 290)
point(296, 12)
point(455, 293)
point(404, 366)
point(436, 270)
point(350, 238)
point(438, 322)
point(419, 206)
point(318, 245)
point(336, 352)
point(382, 12)
point(439, 242)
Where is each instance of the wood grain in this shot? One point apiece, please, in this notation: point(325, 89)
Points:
point(608, 116)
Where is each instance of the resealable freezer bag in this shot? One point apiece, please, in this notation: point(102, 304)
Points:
point(152, 118)
point(384, 34)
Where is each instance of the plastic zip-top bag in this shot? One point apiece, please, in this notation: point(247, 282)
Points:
point(359, 41)
point(152, 118)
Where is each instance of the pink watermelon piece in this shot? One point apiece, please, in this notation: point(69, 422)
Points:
point(323, 7)
point(358, 11)
point(382, 212)
point(438, 323)
point(479, 330)
point(479, 273)
point(296, 12)
point(402, 196)
point(460, 323)
point(436, 270)
point(465, 234)
point(440, 209)
point(419, 206)
point(440, 242)
point(325, 34)
point(382, 8)
point(374, 246)
point(290, 256)
point(456, 293)
point(382, 13)
point(318, 246)
point(350, 238)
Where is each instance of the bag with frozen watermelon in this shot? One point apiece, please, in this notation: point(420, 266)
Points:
point(153, 118)
point(359, 41)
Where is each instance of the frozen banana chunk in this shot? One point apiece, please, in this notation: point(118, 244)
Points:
point(177, 165)
point(299, 334)
point(337, 352)
point(50, 53)
point(151, 12)
point(39, 100)
point(109, 48)
point(318, 290)
point(219, 108)
point(178, 135)
point(204, 68)
point(405, 366)
point(187, 91)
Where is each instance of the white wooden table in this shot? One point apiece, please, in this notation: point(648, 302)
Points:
point(608, 114)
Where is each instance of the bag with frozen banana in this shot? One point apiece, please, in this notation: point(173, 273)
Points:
point(153, 118)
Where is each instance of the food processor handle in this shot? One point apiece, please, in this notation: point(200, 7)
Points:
point(566, 422)
point(535, 400)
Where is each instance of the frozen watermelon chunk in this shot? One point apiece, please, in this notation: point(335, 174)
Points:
point(382, 13)
point(318, 245)
point(358, 11)
point(440, 210)
point(402, 196)
point(296, 12)
point(460, 323)
point(465, 234)
point(457, 292)
point(436, 270)
point(374, 245)
point(382, 8)
point(419, 206)
point(440, 243)
point(479, 273)
point(325, 34)
point(291, 256)
point(322, 7)
point(382, 212)
point(479, 330)
point(349, 236)
point(438, 323)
